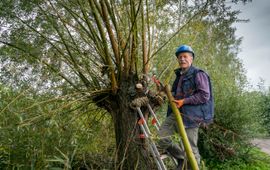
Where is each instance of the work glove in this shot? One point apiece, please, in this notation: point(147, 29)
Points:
point(179, 103)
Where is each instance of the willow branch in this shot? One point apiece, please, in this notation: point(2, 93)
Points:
point(42, 61)
point(94, 37)
point(120, 41)
point(122, 44)
point(134, 37)
point(46, 39)
point(106, 50)
point(145, 56)
point(148, 30)
point(67, 60)
point(174, 34)
point(75, 63)
point(110, 32)
point(131, 33)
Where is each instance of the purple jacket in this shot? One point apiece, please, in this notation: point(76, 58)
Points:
point(202, 94)
point(195, 88)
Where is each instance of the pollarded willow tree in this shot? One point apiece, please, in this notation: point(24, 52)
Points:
point(99, 48)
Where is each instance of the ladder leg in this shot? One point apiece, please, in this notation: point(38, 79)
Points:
point(155, 158)
point(154, 115)
point(158, 155)
point(155, 154)
point(153, 147)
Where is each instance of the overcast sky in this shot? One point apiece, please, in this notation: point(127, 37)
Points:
point(255, 46)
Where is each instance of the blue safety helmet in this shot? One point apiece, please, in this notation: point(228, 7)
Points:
point(184, 48)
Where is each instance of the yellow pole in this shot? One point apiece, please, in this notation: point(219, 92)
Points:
point(182, 131)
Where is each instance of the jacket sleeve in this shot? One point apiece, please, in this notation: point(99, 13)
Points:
point(202, 93)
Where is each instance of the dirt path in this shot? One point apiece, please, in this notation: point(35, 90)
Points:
point(263, 144)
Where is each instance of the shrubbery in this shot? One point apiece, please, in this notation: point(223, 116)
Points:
point(43, 132)
point(266, 110)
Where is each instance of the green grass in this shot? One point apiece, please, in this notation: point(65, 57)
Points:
point(257, 161)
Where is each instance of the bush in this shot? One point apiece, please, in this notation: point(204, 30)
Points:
point(257, 160)
point(42, 131)
point(237, 119)
point(266, 110)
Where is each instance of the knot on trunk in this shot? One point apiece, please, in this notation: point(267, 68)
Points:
point(139, 102)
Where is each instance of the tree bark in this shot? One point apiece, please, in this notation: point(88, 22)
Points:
point(131, 152)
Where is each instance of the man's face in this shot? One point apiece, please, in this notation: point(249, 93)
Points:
point(185, 60)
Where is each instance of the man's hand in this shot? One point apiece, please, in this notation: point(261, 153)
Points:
point(179, 103)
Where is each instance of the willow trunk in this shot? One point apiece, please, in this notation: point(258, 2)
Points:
point(131, 151)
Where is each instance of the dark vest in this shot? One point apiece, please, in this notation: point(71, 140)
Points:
point(193, 115)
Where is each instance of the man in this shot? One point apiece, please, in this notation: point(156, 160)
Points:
point(193, 96)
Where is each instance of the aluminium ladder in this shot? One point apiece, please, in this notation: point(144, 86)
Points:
point(147, 135)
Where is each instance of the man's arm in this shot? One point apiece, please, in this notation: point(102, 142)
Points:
point(202, 94)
